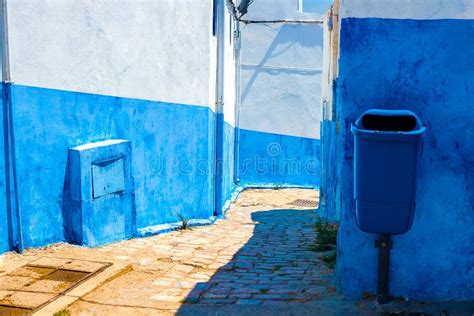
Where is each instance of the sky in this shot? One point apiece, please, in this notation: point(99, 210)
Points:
point(316, 6)
point(287, 9)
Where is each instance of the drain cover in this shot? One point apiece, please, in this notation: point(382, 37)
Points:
point(38, 283)
point(69, 276)
point(14, 311)
point(305, 203)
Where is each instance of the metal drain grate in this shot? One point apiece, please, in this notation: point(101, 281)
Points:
point(305, 203)
point(40, 282)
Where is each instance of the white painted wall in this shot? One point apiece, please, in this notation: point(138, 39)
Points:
point(408, 9)
point(157, 50)
point(328, 73)
point(229, 69)
point(281, 73)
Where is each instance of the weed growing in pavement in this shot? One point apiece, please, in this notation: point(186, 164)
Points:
point(184, 221)
point(326, 239)
point(330, 259)
point(64, 312)
point(278, 186)
point(327, 233)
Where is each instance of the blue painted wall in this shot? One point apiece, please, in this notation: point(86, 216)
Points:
point(426, 66)
point(4, 218)
point(172, 153)
point(98, 198)
point(225, 165)
point(329, 182)
point(280, 111)
point(267, 159)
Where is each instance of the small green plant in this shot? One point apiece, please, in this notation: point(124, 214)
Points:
point(327, 233)
point(330, 259)
point(326, 239)
point(321, 248)
point(64, 312)
point(184, 221)
point(278, 186)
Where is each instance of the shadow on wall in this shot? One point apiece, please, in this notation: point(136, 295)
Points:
point(288, 36)
point(275, 265)
point(279, 118)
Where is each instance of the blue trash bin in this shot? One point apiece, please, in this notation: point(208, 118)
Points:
point(387, 146)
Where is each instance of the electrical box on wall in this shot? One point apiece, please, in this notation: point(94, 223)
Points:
point(98, 194)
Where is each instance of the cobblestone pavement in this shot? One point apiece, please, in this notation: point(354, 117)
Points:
point(259, 254)
point(256, 261)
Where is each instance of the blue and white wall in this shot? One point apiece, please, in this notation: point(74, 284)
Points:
point(416, 55)
point(143, 71)
point(226, 107)
point(280, 111)
point(4, 210)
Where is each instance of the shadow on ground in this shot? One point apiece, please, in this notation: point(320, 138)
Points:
point(275, 271)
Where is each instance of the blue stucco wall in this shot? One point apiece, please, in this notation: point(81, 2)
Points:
point(98, 203)
point(329, 182)
point(172, 153)
point(226, 189)
point(280, 112)
point(267, 159)
point(4, 219)
point(426, 66)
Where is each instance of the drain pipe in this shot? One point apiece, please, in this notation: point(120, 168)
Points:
point(219, 106)
point(9, 140)
point(238, 45)
point(384, 244)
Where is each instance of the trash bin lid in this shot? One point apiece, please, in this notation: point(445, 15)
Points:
point(388, 122)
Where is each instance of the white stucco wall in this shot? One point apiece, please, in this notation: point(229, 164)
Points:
point(281, 73)
point(229, 69)
point(408, 9)
point(156, 50)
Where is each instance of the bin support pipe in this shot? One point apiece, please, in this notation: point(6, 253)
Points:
point(384, 244)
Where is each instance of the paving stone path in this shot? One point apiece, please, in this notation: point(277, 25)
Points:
point(260, 254)
point(258, 261)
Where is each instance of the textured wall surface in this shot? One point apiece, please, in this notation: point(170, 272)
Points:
point(225, 166)
point(4, 218)
point(153, 50)
point(408, 9)
point(280, 94)
point(98, 204)
point(426, 66)
point(87, 71)
point(271, 159)
point(281, 79)
point(172, 165)
point(225, 186)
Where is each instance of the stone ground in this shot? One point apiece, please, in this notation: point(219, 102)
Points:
point(257, 261)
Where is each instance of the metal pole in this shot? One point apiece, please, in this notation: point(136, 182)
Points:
point(237, 43)
point(384, 244)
